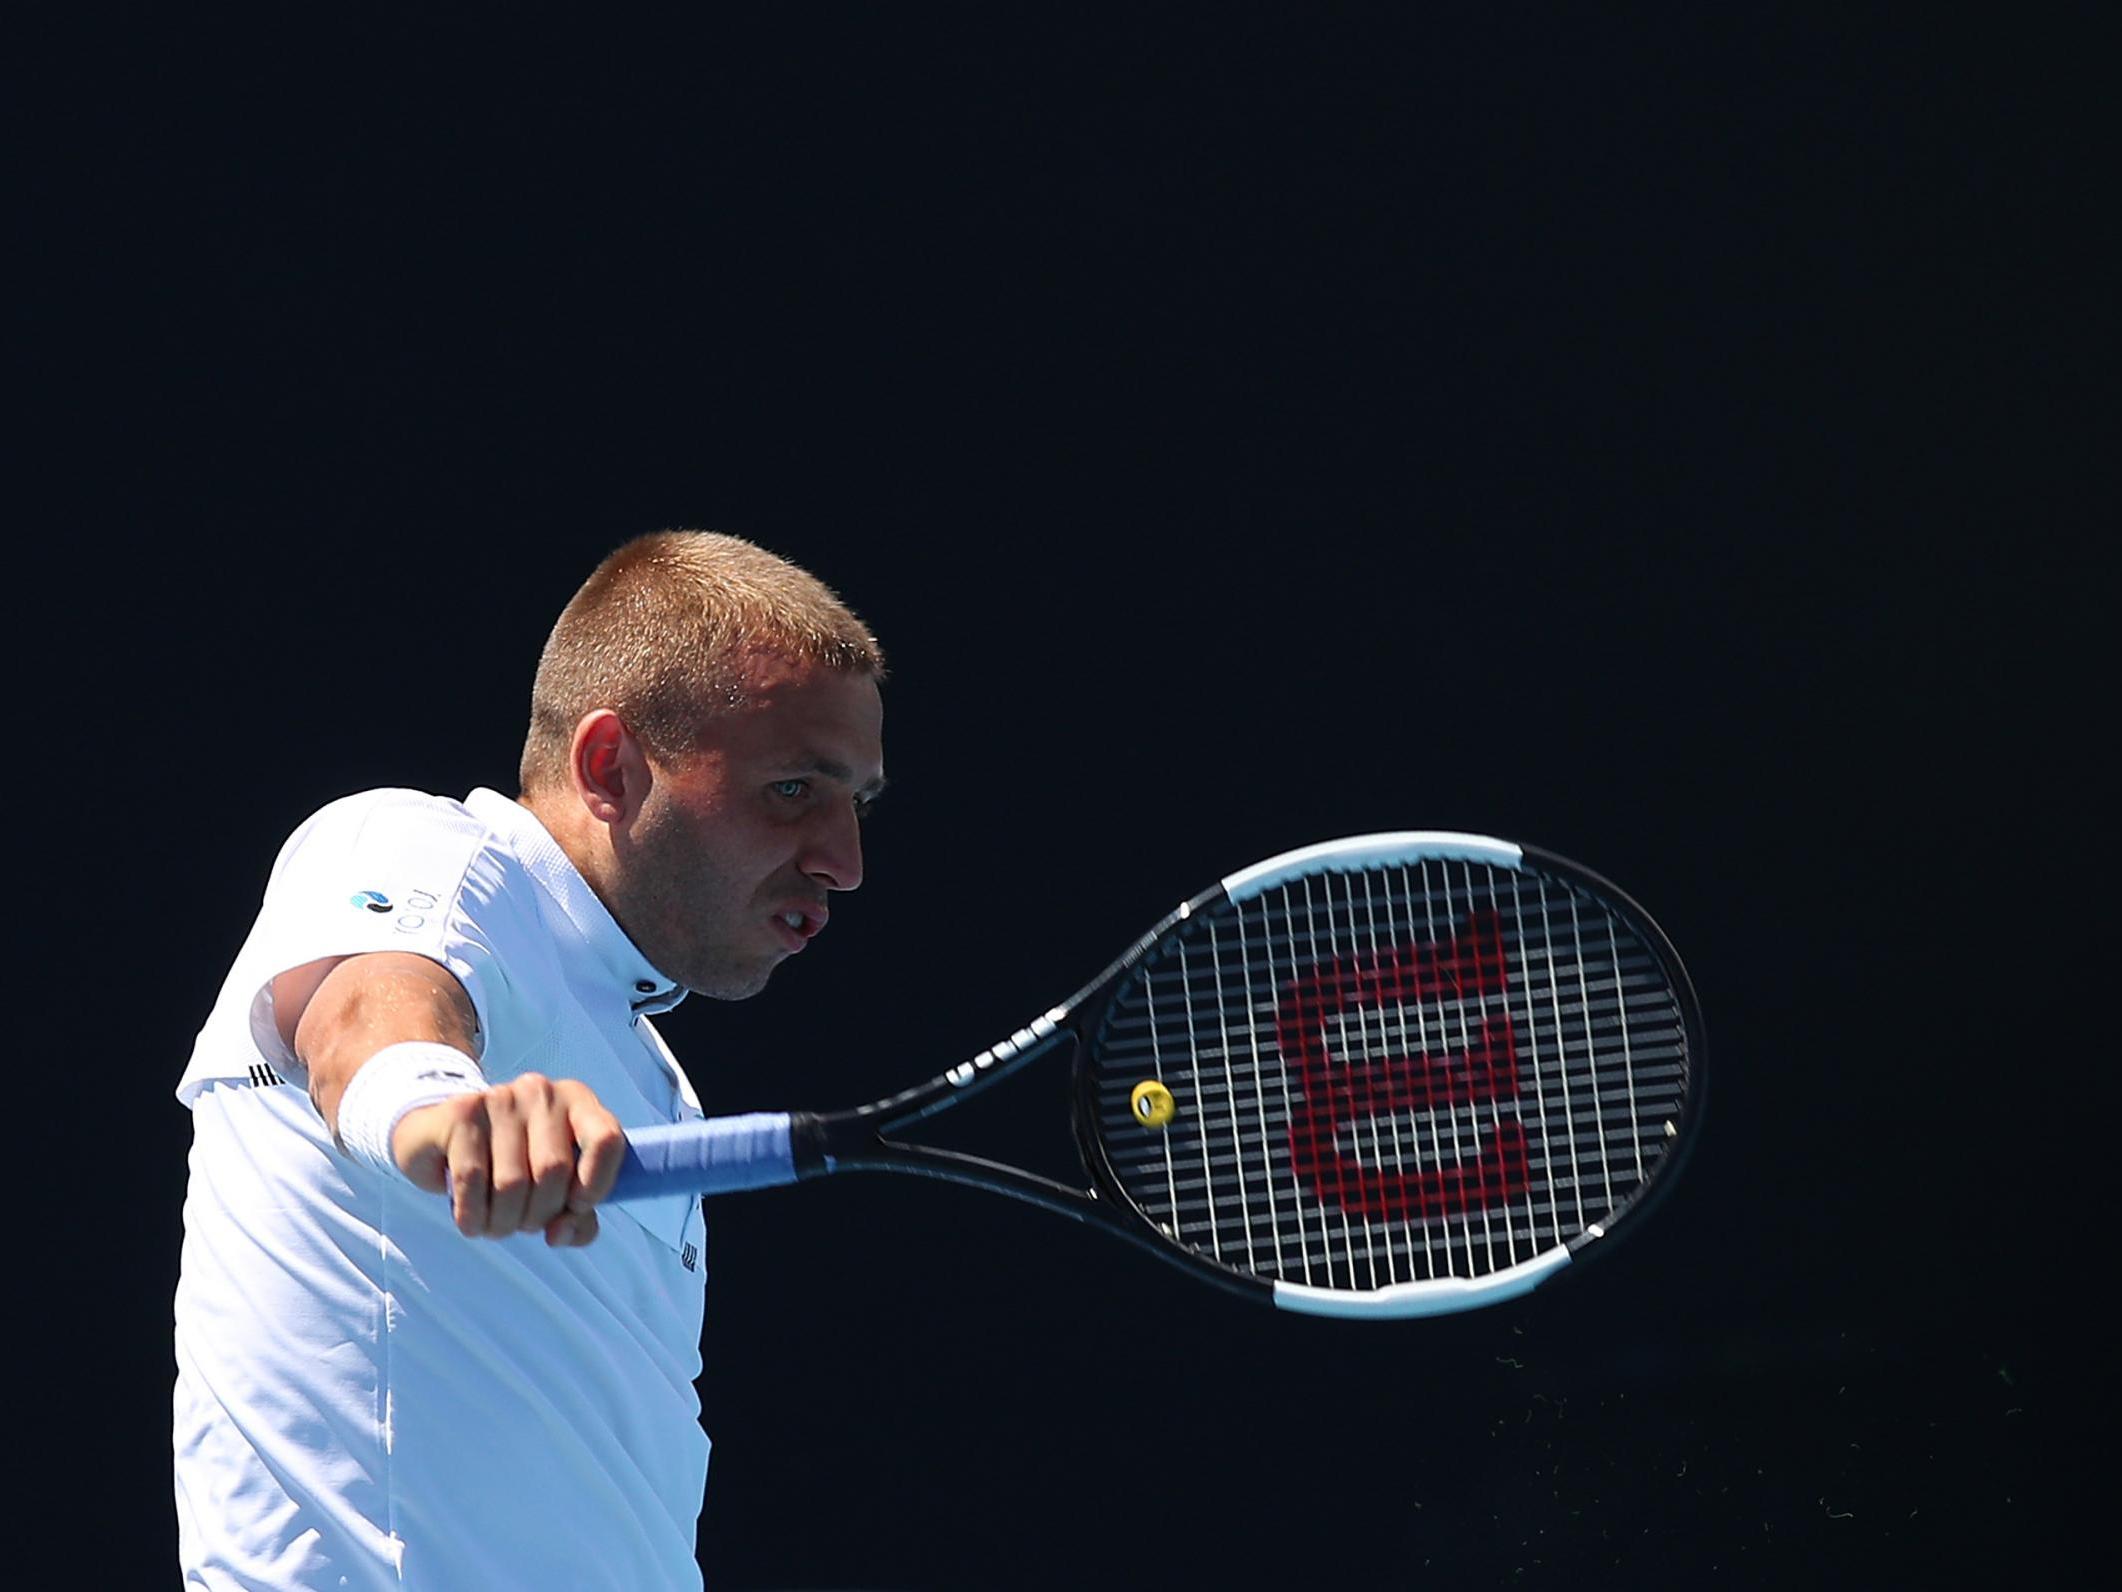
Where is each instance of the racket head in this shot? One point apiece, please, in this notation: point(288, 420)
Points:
point(1393, 1075)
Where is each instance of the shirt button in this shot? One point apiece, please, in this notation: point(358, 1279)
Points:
point(644, 986)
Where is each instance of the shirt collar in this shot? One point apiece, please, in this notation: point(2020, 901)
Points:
point(565, 890)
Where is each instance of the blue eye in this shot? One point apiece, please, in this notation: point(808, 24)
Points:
point(789, 788)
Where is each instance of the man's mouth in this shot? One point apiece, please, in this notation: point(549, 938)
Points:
point(799, 925)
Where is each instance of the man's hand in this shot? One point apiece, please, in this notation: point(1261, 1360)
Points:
point(532, 1153)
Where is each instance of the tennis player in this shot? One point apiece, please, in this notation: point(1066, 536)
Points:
point(411, 1350)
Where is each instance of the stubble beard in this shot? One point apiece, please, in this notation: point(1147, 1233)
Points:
point(666, 884)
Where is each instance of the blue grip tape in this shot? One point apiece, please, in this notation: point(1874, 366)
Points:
point(719, 1156)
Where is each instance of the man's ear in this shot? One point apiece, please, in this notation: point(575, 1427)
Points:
point(609, 768)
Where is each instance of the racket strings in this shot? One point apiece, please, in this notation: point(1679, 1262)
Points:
point(1394, 1075)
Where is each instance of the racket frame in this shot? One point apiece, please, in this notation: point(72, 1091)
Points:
point(859, 1140)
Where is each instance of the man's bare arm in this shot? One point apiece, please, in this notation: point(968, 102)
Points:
point(534, 1153)
point(364, 1003)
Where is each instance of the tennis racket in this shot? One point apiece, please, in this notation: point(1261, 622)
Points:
point(1392, 1075)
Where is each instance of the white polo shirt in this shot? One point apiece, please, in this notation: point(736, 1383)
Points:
point(365, 1398)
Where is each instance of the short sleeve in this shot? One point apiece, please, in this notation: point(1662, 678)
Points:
point(384, 871)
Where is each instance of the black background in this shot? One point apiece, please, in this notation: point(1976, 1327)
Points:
point(1662, 440)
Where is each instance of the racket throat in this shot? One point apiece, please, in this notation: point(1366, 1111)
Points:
point(809, 1143)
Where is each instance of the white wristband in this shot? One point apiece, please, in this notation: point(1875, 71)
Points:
point(397, 1079)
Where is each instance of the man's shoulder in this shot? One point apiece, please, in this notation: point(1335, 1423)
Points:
point(388, 817)
point(395, 803)
point(379, 848)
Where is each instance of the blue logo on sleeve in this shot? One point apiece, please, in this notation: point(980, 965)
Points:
point(374, 900)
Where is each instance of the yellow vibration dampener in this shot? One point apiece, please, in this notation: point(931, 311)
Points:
point(1153, 1103)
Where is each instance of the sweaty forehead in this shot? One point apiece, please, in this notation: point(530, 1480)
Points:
point(763, 674)
point(829, 719)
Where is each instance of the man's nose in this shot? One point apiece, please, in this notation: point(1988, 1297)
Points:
point(834, 857)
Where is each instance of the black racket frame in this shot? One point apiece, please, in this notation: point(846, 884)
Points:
point(856, 1140)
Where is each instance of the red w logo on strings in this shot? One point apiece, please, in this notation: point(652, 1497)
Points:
point(1384, 994)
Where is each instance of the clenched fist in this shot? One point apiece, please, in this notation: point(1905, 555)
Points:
point(534, 1153)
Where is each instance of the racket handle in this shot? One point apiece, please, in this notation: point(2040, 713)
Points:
point(719, 1156)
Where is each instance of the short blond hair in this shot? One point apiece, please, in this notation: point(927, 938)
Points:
point(660, 634)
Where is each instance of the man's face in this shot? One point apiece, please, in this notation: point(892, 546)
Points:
point(726, 869)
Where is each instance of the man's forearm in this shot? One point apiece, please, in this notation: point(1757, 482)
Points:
point(369, 1002)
